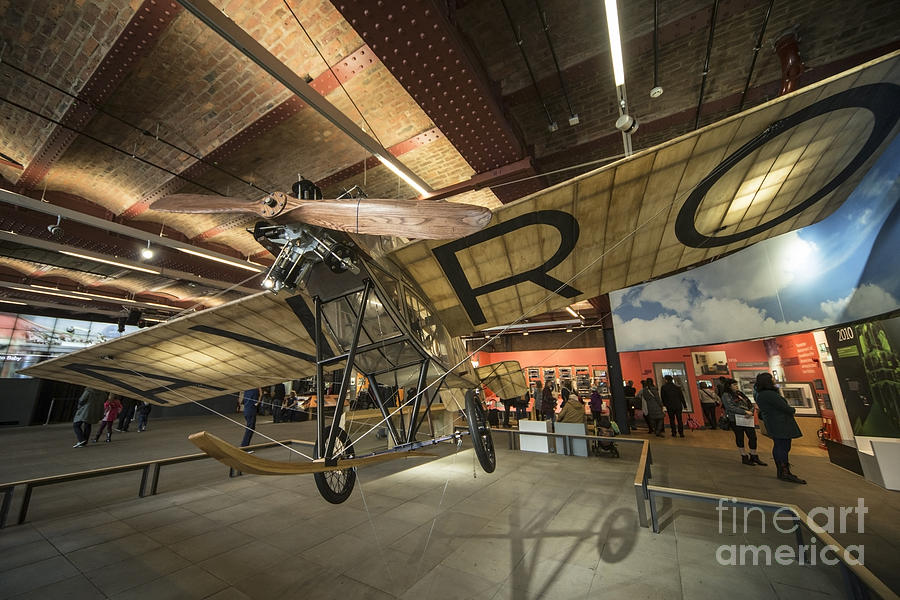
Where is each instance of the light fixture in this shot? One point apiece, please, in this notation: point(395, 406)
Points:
point(49, 293)
point(57, 228)
point(13, 302)
point(615, 42)
point(110, 262)
point(268, 283)
point(147, 253)
point(572, 312)
point(249, 266)
point(412, 182)
point(524, 333)
point(569, 330)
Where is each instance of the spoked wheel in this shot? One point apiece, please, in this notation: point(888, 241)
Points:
point(481, 433)
point(336, 486)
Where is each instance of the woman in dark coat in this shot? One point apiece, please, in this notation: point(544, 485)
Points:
point(781, 426)
point(548, 404)
point(650, 399)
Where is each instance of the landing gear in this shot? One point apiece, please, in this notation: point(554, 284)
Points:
point(481, 433)
point(336, 486)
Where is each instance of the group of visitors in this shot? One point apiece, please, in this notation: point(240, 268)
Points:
point(776, 416)
point(96, 405)
point(653, 400)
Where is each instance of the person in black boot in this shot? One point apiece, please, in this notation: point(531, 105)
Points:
point(739, 411)
point(778, 417)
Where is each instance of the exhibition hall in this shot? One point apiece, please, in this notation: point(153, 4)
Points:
point(450, 299)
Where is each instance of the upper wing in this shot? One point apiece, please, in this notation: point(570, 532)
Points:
point(254, 341)
point(505, 379)
point(778, 167)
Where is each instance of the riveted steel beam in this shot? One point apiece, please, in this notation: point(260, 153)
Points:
point(140, 35)
point(249, 47)
point(423, 51)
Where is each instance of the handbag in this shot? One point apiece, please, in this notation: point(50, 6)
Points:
point(724, 423)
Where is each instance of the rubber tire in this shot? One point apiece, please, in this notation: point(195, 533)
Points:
point(481, 434)
point(336, 494)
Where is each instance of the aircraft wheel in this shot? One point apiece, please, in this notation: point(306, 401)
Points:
point(481, 433)
point(336, 486)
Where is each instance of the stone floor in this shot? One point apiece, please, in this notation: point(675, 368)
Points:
point(540, 526)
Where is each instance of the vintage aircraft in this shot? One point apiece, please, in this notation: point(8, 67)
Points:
point(392, 311)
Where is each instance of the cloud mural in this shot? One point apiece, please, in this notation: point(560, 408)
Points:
point(840, 269)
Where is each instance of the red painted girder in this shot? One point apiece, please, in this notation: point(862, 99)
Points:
point(520, 168)
point(348, 68)
point(421, 49)
point(135, 41)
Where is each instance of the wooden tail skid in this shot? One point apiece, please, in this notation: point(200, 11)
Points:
point(236, 458)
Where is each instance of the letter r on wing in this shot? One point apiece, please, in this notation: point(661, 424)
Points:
point(468, 296)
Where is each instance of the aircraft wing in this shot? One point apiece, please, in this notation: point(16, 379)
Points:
point(505, 379)
point(254, 341)
point(780, 166)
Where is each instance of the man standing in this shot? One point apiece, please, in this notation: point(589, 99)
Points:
point(630, 401)
point(278, 394)
point(251, 404)
point(128, 406)
point(708, 402)
point(673, 400)
point(89, 410)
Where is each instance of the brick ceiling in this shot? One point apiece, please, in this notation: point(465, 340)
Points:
point(165, 105)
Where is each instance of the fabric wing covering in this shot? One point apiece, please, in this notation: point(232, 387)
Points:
point(619, 225)
point(254, 341)
point(505, 379)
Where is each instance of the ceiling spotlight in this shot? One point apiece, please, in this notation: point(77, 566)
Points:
point(656, 92)
point(147, 253)
point(524, 333)
point(57, 228)
point(626, 124)
point(572, 312)
point(268, 283)
point(569, 330)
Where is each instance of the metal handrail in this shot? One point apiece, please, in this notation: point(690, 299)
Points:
point(149, 477)
point(852, 574)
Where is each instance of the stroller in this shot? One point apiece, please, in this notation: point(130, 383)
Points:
point(600, 447)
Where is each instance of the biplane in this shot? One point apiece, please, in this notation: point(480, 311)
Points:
point(339, 293)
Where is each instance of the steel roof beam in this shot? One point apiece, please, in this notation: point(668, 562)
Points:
point(103, 224)
point(249, 47)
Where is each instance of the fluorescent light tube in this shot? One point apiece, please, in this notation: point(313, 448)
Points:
point(249, 266)
point(615, 42)
point(110, 262)
point(390, 165)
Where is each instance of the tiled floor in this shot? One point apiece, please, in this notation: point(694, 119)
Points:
point(541, 526)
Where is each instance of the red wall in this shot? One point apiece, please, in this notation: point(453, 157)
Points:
point(567, 357)
point(798, 354)
point(639, 365)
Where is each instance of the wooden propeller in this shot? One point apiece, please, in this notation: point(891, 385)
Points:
point(423, 219)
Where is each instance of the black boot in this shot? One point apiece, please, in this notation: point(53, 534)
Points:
point(754, 458)
point(746, 460)
point(788, 476)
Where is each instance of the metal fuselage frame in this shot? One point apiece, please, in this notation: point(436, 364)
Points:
point(345, 288)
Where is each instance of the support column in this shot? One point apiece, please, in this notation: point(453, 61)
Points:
point(616, 388)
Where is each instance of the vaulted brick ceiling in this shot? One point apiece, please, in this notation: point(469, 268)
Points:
point(166, 105)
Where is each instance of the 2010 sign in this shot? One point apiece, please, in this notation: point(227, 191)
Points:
point(845, 334)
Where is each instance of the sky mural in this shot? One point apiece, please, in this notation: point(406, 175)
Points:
point(840, 269)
